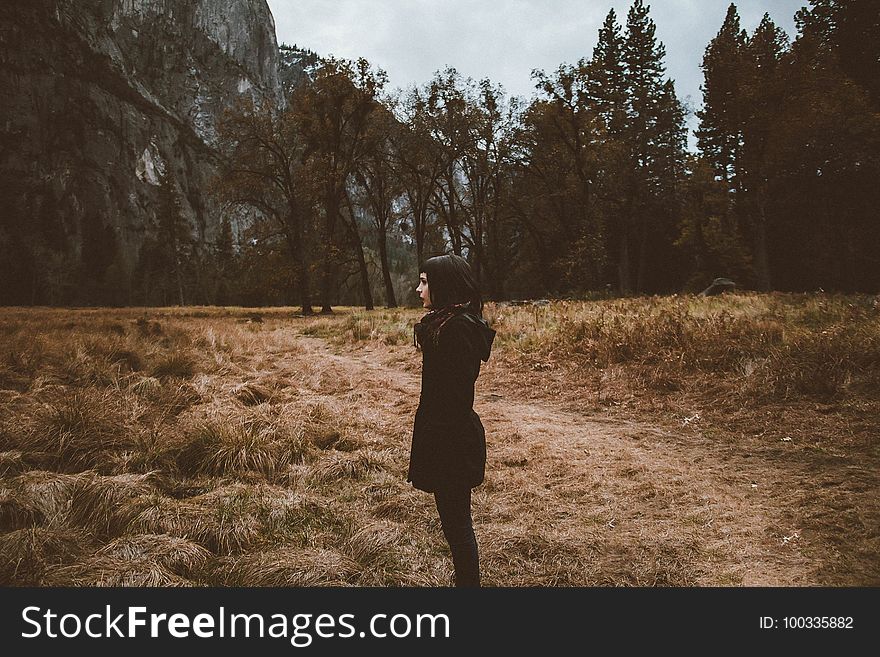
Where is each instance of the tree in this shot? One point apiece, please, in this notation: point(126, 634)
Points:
point(760, 90)
point(719, 136)
point(607, 80)
point(655, 135)
point(262, 169)
point(562, 135)
point(850, 29)
point(792, 132)
point(610, 96)
point(451, 163)
point(482, 160)
point(493, 175)
point(376, 177)
point(333, 115)
point(709, 250)
point(225, 261)
point(823, 152)
point(449, 119)
point(741, 96)
point(418, 164)
point(164, 261)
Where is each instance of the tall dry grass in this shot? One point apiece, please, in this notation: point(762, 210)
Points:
point(200, 446)
point(767, 346)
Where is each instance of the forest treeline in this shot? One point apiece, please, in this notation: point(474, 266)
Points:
point(587, 188)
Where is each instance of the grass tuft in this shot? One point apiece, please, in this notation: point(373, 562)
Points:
point(347, 466)
point(78, 432)
point(179, 555)
point(174, 365)
point(289, 566)
point(106, 505)
point(101, 571)
point(26, 555)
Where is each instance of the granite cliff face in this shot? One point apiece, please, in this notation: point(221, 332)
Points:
point(102, 100)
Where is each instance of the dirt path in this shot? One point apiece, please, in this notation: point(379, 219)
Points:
point(631, 503)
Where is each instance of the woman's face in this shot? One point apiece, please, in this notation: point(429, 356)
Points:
point(423, 291)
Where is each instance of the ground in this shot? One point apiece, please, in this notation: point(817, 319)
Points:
point(695, 443)
point(635, 499)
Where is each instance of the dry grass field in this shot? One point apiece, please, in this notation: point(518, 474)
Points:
point(674, 441)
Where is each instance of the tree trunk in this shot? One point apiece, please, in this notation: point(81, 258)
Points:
point(762, 264)
point(643, 253)
point(301, 280)
point(456, 240)
point(452, 223)
point(326, 287)
point(332, 211)
point(179, 279)
point(365, 278)
point(493, 251)
point(354, 233)
point(544, 260)
point(701, 257)
point(478, 257)
point(419, 229)
point(390, 300)
point(623, 277)
point(492, 257)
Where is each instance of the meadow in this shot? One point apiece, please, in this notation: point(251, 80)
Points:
point(654, 441)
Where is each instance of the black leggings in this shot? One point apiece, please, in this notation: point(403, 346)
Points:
point(454, 507)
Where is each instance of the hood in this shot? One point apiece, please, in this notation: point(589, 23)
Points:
point(481, 335)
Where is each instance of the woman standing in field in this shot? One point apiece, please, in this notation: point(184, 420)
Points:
point(448, 455)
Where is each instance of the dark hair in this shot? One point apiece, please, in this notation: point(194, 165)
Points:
point(451, 280)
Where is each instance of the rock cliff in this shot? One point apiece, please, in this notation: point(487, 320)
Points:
point(102, 100)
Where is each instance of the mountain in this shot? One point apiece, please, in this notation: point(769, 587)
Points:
point(102, 101)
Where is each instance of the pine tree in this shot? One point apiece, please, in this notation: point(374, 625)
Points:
point(655, 125)
point(609, 96)
point(607, 84)
point(760, 89)
point(824, 149)
point(643, 55)
point(708, 249)
point(851, 30)
point(719, 136)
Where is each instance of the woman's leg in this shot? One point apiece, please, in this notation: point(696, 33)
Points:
point(454, 507)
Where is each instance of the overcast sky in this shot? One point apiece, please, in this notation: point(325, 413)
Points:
point(504, 40)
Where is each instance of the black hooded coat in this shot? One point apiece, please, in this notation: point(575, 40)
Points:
point(449, 442)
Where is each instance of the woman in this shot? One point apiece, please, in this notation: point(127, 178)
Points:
point(448, 455)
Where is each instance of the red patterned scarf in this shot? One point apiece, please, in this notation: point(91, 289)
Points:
point(427, 330)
